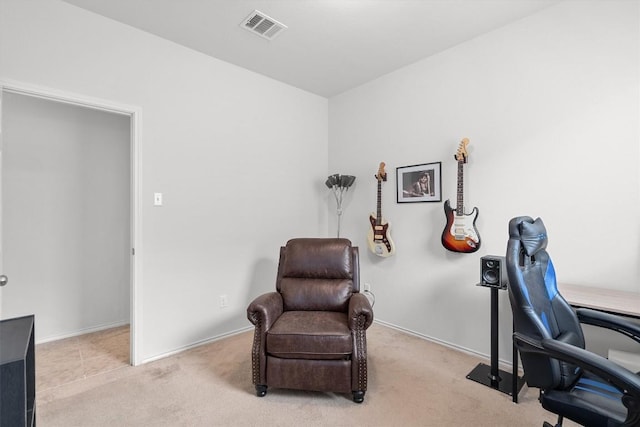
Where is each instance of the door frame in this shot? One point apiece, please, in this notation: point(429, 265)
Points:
point(135, 116)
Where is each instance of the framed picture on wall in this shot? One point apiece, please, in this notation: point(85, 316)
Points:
point(419, 183)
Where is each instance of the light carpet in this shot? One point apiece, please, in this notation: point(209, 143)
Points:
point(412, 382)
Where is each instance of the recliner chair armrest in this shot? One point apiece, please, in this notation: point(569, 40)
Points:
point(610, 321)
point(359, 305)
point(265, 309)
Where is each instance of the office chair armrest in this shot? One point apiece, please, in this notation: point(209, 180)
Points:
point(624, 379)
point(620, 377)
point(526, 344)
point(609, 321)
point(265, 309)
point(617, 375)
point(360, 307)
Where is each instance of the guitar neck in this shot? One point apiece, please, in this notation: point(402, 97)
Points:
point(460, 201)
point(379, 210)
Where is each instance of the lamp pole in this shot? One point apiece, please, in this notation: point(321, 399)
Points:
point(338, 192)
point(339, 184)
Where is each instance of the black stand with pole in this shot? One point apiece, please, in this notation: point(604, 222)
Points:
point(492, 376)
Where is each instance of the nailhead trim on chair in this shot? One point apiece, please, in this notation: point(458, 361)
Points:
point(361, 352)
point(255, 353)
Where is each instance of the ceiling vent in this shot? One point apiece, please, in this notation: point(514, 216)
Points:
point(262, 25)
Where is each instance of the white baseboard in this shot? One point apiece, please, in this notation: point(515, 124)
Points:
point(83, 331)
point(196, 344)
point(504, 363)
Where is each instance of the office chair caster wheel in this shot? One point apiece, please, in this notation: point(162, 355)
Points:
point(261, 390)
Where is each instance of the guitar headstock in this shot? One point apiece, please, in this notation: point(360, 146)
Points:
point(381, 175)
point(461, 154)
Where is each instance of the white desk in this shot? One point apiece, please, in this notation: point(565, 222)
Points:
point(618, 302)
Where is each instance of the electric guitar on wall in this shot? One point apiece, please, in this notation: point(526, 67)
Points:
point(378, 237)
point(460, 233)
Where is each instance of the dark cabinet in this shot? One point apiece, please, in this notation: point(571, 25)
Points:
point(17, 372)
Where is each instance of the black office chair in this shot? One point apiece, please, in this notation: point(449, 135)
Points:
point(574, 383)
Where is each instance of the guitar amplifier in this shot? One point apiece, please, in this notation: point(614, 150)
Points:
point(493, 272)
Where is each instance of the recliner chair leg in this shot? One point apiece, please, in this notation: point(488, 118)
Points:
point(358, 396)
point(261, 390)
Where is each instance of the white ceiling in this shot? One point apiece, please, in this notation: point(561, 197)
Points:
point(330, 46)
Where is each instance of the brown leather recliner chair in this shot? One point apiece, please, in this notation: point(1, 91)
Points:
point(310, 334)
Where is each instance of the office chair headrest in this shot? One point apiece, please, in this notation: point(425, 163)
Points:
point(532, 234)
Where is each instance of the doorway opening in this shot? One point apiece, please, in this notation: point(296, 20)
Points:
point(68, 213)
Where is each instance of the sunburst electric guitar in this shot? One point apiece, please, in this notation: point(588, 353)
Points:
point(378, 238)
point(460, 233)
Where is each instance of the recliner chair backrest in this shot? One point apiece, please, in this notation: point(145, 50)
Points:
point(318, 274)
point(539, 311)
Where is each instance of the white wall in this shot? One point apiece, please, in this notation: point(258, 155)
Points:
point(547, 102)
point(65, 195)
point(551, 107)
point(239, 157)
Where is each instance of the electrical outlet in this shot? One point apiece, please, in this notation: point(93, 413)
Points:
point(224, 302)
point(367, 287)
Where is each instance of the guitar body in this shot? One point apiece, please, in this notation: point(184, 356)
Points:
point(460, 233)
point(378, 237)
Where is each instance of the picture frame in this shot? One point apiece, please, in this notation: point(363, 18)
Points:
point(419, 183)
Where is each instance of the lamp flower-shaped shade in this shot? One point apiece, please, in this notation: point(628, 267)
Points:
point(346, 181)
point(332, 180)
point(342, 181)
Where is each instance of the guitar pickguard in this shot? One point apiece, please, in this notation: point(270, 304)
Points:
point(460, 233)
point(379, 240)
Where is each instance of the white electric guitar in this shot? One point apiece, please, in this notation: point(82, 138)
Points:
point(378, 238)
